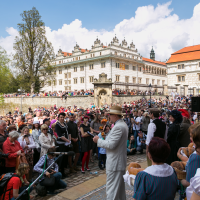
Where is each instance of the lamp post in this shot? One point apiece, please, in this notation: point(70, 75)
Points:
point(150, 95)
point(20, 90)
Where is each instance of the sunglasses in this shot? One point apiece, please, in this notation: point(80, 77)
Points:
point(45, 129)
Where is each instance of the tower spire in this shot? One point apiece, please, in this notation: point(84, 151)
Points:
point(152, 54)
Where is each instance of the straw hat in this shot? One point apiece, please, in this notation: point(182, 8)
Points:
point(116, 110)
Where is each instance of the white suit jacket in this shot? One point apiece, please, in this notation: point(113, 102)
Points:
point(116, 147)
point(46, 143)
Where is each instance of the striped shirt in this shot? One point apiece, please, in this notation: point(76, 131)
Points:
point(192, 165)
point(149, 187)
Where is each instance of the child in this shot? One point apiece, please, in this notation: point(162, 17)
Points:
point(193, 162)
point(102, 152)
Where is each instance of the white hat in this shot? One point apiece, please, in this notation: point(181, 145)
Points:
point(116, 110)
point(36, 122)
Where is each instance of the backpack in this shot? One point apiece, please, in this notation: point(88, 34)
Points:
point(4, 181)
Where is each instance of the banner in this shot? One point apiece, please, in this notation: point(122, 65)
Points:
point(122, 66)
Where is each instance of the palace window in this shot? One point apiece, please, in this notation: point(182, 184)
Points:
point(181, 78)
point(49, 83)
point(100, 53)
point(134, 79)
point(75, 80)
point(60, 82)
point(139, 69)
point(158, 82)
point(181, 66)
point(54, 72)
point(91, 66)
point(153, 81)
point(60, 71)
point(147, 80)
point(117, 65)
point(91, 79)
point(54, 82)
point(139, 80)
point(163, 82)
point(126, 79)
point(75, 69)
point(67, 87)
point(81, 68)
point(117, 78)
point(81, 79)
point(103, 65)
point(134, 68)
point(67, 82)
point(126, 66)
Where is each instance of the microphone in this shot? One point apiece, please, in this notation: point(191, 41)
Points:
point(70, 153)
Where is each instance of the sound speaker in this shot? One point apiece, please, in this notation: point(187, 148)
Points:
point(195, 104)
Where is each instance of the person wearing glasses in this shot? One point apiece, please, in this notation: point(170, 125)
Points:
point(46, 140)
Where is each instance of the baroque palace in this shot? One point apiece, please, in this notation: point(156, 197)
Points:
point(184, 70)
point(122, 64)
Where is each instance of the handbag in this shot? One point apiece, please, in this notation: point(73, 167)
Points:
point(19, 160)
point(48, 182)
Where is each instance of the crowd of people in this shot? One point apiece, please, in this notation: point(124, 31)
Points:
point(28, 142)
point(65, 94)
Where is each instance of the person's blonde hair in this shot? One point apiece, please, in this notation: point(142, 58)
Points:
point(44, 126)
point(53, 125)
point(192, 127)
point(24, 128)
point(21, 169)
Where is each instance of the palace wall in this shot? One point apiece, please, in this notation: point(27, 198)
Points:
point(84, 101)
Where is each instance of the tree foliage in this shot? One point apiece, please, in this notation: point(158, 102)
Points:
point(5, 73)
point(33, 51)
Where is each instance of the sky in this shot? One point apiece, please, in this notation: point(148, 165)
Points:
point(166, 25)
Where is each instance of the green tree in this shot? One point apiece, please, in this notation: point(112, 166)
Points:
point(34, 53)
point(5, 73)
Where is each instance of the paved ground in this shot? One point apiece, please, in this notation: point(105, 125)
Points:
point(77, 183)
point(78, 178)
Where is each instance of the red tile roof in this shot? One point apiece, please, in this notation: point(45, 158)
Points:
point(66, 54)
point(185, 54)
point(153, 61)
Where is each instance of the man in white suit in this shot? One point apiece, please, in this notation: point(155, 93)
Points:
point(115, 145)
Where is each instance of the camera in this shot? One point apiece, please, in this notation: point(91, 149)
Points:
point(2, 155)
point(25, 135)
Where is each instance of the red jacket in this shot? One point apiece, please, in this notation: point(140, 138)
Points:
point(11, 148)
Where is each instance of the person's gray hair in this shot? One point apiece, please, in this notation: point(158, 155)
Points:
point(2, 122)
point(14, 134)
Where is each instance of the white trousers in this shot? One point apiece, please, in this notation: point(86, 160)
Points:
point(115, 186)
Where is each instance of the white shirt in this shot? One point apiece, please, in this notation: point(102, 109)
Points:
point(151, 130)
point(136, 126)
point(23, 142)
point(194, 185)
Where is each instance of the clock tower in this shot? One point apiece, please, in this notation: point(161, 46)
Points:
point(152, 54)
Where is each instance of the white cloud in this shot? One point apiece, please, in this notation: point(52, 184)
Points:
point(151, 26)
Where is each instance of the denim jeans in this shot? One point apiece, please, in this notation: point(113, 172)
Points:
point(140, 148)
point(135, 133)
point(59, 184)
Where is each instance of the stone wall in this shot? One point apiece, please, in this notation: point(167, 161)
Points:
point(84, 101)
